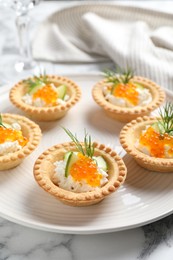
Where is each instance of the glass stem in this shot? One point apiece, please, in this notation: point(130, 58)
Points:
point(22, 23)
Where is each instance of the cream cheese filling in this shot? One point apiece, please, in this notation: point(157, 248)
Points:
point(9, 146)
point(38, 102)
point(68, 183)
point(144, 98)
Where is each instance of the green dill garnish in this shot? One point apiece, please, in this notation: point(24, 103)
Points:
point(89, 148)
point(119, 76)
point(166, 122)
point(1, 123)
point(36, 81)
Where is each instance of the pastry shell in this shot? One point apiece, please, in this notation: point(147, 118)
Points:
point(46, 113)
point(130, 134)
point(44, 170)
point(30, 130)
point(125, 114)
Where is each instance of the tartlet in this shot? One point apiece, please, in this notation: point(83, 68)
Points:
point(131, 134)
point(46, 113)
point(30, 131)
point(44, 171)
point(126, 114)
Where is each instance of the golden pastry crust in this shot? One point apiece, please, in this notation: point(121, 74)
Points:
point(125, 114)
point(130, 134)
point(46, 113)
point(31, 131)
point(44, 169)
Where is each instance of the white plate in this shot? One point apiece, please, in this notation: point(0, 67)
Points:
point(144, 197)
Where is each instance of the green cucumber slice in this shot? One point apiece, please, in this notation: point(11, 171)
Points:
point(158, 127)
point(113, 87)
point(61, 90)
point(72, 158)
point(35, 89)
point(101, 163)
point(66, 155)
point(7, 125)
point(138, 85)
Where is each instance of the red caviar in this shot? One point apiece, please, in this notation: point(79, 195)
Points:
point(86, 169)
point(127, 91)
point(156, 142)
point(11, 135)
point(47, 94)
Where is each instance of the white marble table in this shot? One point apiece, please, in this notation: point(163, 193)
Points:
point(153, 241)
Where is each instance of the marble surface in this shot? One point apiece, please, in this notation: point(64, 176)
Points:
point(153, 241)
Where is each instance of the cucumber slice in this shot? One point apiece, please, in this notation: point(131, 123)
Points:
point(138, 85)
point(7, 125)
point(61, 90)
point(72, 158)
point(158, 127)
point(35, 89)
point(66, 155)
point(113, 87)
point(101, 163)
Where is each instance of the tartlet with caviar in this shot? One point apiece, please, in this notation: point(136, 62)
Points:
point(79, 173)
point(19, 137)
point(150, 140)
point(125, 97)
point(45, 97)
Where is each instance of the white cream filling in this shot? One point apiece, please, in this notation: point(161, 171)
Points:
point(68, 183)
point(16, 126)
point(38, 102)
point(27, 99)
point(166, 151)
point(9, 147)
point(144, 149)
point(144, 98)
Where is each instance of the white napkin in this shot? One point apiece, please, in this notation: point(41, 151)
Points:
point(134, 38)
point(163, 37)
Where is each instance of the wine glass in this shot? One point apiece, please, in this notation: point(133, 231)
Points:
point(24, 61)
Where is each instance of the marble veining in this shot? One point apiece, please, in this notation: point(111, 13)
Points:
point(155, 234)
point(17, 242)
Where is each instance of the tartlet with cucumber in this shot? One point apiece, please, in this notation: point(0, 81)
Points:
point(125, 96)
point(150, 140)
point(19, 137)
point(45, 97)
point(79, 173)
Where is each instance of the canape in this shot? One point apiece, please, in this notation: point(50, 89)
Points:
point(79, 173)
point(19, 137)
point(125, 97)
point(150, 140)
point(46, 97)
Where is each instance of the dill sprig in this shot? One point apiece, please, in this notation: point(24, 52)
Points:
point(166, 119)
point(89, 148)
point(1, 123)
point(119, 76)
point(36, 81)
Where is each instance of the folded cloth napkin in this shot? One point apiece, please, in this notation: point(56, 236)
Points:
point(131, 37)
